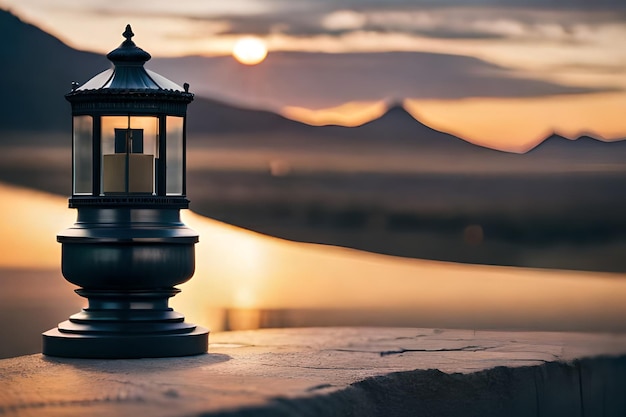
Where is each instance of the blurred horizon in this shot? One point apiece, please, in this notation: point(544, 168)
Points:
point(245, 280)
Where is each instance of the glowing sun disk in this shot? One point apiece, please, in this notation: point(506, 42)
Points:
point(249, 51)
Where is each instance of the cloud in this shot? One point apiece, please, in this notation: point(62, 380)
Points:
point(559, 20)
point(344, 20)
point(507, 23)
point(539, 38)
point(314, 80)
point(563, 21)
point(545, 4)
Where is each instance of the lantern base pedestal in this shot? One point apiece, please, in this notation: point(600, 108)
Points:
point(126, 324)
point(57, 343)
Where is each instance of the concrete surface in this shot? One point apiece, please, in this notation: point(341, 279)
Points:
point(337, 371)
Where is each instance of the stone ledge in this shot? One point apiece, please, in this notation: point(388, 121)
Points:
point(337, 371)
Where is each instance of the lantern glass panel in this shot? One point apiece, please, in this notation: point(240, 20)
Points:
point(83, 155)
point(129, 154)
point(174, 156)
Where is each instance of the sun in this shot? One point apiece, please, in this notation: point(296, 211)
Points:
point(249, 50)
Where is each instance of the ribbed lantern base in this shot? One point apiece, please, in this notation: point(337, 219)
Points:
point(126, 324)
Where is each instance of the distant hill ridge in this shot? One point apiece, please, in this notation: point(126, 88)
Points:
point(398, 125)
point(39, 68)
point(582, 148)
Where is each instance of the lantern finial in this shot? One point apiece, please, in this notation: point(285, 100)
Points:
point(128, 33)
point(128, 52)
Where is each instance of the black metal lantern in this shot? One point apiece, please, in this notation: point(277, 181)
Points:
point(128, 247)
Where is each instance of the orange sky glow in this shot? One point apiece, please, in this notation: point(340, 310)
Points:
point(518, 124)
point(513, 124)
point(353, 113)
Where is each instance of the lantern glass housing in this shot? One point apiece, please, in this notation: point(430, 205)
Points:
point(83, 155)
point(129, 154)
point(175, 164)
point(128, 132)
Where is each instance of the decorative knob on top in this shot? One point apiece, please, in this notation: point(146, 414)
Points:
point(128, 34)
point(128, 52)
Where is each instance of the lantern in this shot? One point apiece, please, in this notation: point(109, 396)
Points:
point(128, 248)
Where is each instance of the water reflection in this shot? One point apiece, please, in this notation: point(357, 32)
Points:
point(246, 280)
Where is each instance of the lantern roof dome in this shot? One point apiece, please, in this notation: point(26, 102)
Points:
point(128, 73)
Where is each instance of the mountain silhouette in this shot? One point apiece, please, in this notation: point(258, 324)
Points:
point(398, 128)
point(39, 69)
point(396, 123)
point(396, 114)
point(583, 146)
point(399, 123)
point(210, 116)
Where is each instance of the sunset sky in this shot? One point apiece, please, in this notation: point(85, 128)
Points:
point(501, 72)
